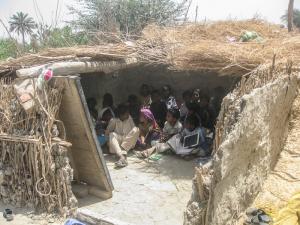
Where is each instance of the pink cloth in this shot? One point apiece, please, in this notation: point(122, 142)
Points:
point(149, 116)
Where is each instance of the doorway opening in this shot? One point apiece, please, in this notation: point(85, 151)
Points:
point(150, 191)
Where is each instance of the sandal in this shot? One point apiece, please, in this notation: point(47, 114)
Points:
point(141, 154)
point(121, 163)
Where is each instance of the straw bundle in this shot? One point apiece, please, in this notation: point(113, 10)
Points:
point(82, 53)
point(211, 46)
point(216, 46)
point(34, 167)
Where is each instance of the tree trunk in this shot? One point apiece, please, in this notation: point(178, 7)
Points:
point(23, 39)
point(290, 15)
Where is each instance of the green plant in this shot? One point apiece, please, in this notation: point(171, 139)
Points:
point(22, 24)
point(127, 16)
point(8, 49)
point(296, 18)
point(63, 37)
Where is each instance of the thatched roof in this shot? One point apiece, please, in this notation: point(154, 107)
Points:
point(211, 46)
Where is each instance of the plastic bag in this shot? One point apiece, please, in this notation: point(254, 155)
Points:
point(44, 77)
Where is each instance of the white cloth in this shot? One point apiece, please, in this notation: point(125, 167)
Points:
point(171, 130)
point(177, 146)
point(123, 135)
point(120, 145)
point(120, 127)
point(102, 111)
point(171, 102)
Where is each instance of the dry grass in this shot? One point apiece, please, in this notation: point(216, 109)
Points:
point(188, 47)
point(207, 47)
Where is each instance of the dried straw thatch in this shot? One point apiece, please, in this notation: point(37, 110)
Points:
point(187, 47)
point(211, 46)
point(82, 53)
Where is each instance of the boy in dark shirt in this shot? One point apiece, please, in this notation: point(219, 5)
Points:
point(134, 108)
point(158, 108)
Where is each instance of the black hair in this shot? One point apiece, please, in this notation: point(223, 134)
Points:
point(155, 91)
point(122, 109)
point(106, 112)
point(193, 119)
point(187, 93)
point(91, 102)
point(145, 90)
point(205, 97)
point(108, 100)
point(192, 106)
point(174, 112)
point(132, 99)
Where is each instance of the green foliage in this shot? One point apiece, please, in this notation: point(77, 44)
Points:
point(64, 37)
point(128, 16)
point(22, 24)
point(7, 49)
point(296, 18)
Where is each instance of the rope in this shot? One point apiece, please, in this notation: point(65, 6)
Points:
point(46, 183)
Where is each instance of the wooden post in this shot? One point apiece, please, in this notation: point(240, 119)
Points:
point(290, 15)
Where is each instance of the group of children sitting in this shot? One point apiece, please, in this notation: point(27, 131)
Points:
point(153, 122)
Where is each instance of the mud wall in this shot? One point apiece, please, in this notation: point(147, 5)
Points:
point(250, 150)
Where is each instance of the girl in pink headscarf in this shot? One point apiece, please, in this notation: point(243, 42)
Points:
point(150, 131)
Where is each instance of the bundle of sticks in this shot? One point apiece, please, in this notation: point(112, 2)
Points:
point(34, 166)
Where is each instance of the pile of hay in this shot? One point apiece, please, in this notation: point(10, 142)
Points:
point(211, 46)
point(77, 53)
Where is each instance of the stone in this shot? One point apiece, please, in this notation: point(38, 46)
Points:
point(264, 218)
point(251, 212)
point(255, 220)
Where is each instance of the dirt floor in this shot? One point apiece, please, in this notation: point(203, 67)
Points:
point(147, 192)
point(27, 216)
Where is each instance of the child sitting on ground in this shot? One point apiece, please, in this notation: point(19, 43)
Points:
point(158, 108)
point(192, 127)
point(168, 98)
point(91, 103)
point(134, 108)
point(150, 131)
point(105, 116)
point(172, 127)
point(123, 135)
point(187, 98)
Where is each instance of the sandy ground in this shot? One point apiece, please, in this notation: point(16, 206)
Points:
point(147, 192)
point(24, 216)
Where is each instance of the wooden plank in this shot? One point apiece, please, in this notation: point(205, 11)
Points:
point(92, 218)
point(86, 155)
point(30, 139)
point(70, 68)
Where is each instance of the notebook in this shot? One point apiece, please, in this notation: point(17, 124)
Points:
point(191, 141)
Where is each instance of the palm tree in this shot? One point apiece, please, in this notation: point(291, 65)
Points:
point(296, 18)
point(22, 24)
point(290, 15)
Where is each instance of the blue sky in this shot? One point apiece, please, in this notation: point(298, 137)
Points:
point(270, 10)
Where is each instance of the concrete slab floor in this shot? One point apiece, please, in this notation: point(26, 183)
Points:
point(147, 192)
